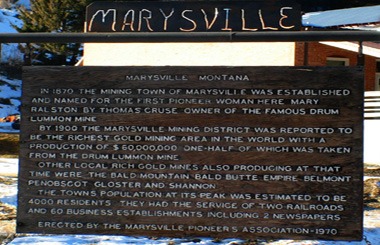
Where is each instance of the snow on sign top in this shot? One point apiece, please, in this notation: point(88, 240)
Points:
point(194, 16)
point(342, 17)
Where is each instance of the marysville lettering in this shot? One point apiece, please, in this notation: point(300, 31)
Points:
point(170, 77)
point(192, 16)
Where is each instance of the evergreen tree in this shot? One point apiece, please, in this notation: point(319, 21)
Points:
point(54, 16)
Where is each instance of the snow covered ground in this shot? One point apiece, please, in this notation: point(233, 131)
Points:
point(371, 141)
point(8, 19)
point(118, 240)
point(10, 90)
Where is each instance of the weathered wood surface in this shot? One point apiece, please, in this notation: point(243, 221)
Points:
point(251, 152)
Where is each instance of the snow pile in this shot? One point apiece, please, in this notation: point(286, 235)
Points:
point(8, 194)
point(371, 141)
point(23, 3)
point(10, 89)
point(10, 53)
point(10, 95)
point(9, 168)
point(8, 18)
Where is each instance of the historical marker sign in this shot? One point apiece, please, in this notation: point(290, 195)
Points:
point(249, 152)
point(193, 16)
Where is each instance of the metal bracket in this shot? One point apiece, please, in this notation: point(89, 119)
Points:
point(361, 58)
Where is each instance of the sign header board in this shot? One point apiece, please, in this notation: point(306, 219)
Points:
point(193, 16)
point(246, 152)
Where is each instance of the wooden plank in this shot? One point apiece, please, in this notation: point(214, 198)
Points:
point(249, 152)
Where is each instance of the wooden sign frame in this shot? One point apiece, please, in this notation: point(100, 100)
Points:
point(247, 152)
